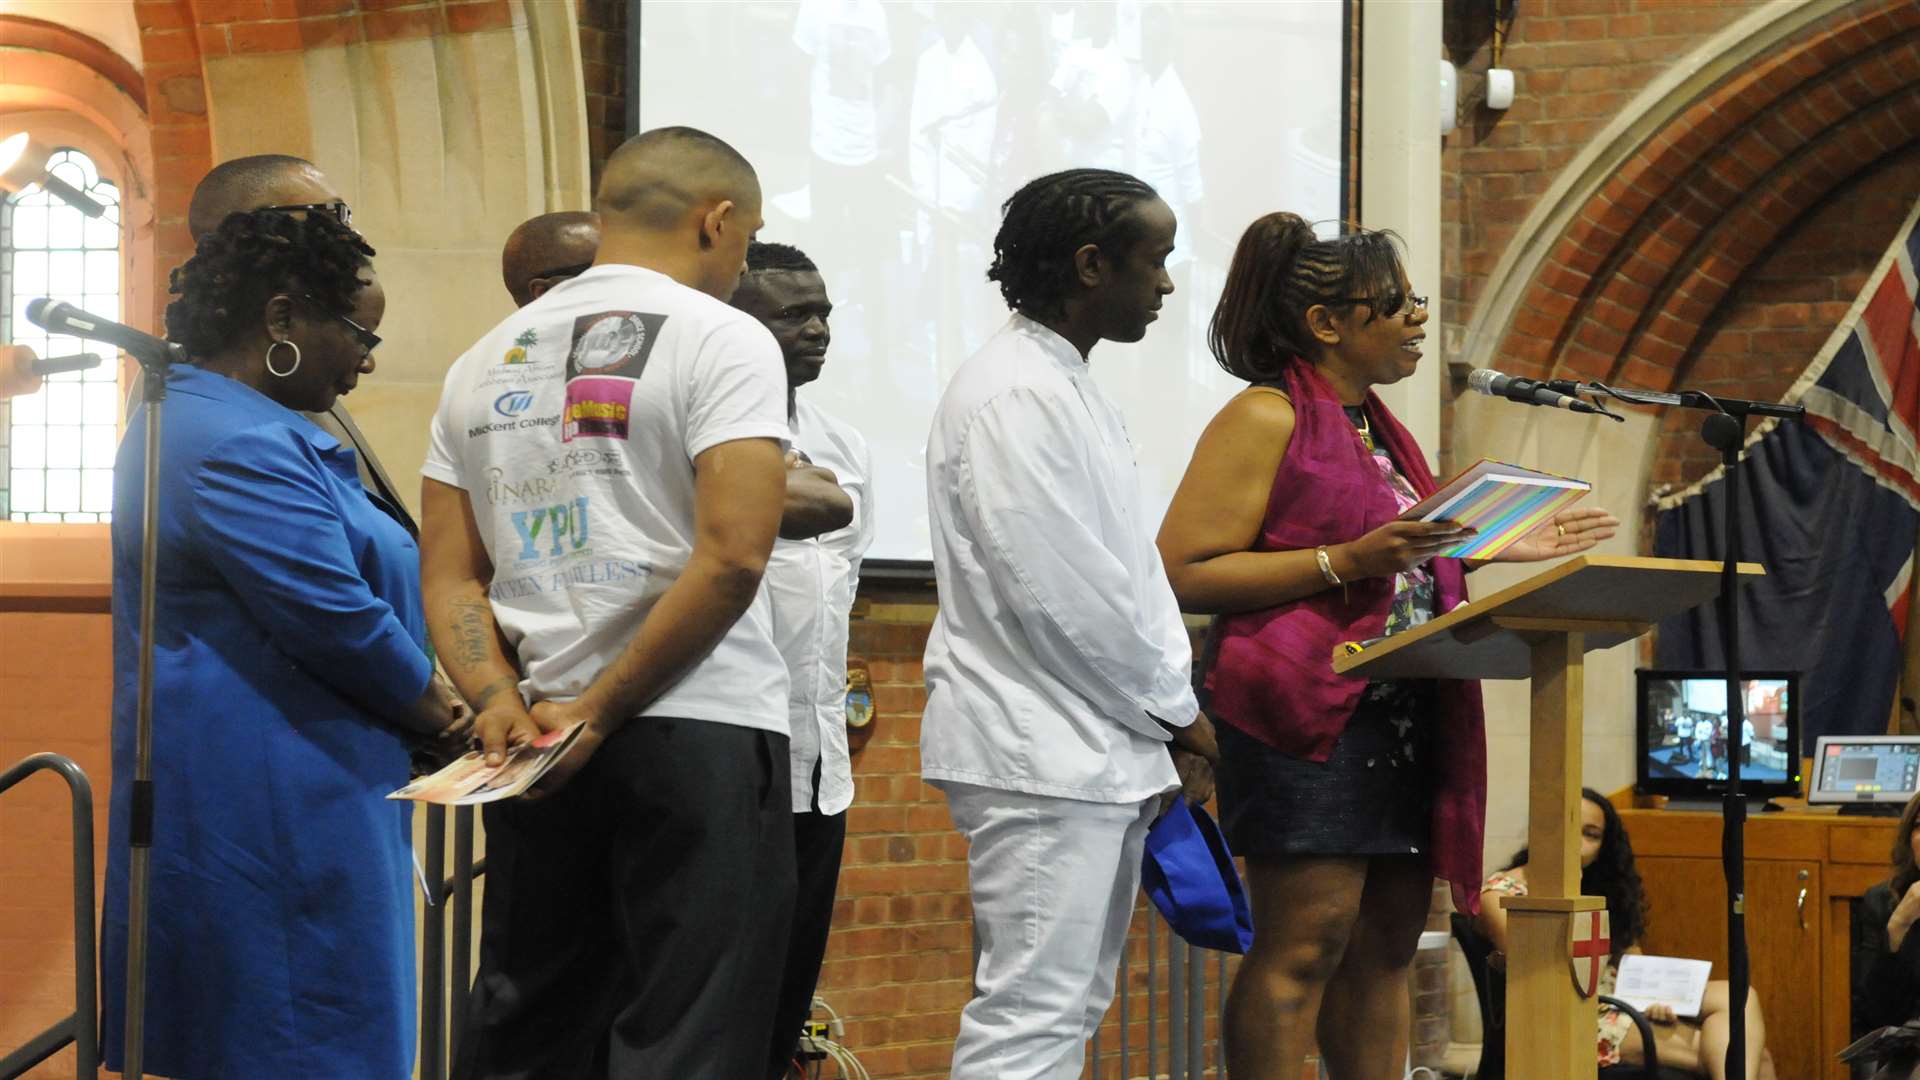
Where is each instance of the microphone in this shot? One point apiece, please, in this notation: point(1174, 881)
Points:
point(1526, 391)
point(21, 371)
point(62, 318)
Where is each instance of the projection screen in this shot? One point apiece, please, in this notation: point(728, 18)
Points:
point(886, 136)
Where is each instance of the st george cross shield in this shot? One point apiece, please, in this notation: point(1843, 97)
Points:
point(1589, 946)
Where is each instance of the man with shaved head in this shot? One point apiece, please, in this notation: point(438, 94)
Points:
point(603, 487)
point(547, 250)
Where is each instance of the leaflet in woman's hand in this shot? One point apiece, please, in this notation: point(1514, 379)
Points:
point(1502, 503)
point(470, 780)
point(1667, 980)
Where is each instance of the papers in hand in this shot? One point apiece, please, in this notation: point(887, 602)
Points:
point(1502, 502)
point(1666, 980)
point(471, 781)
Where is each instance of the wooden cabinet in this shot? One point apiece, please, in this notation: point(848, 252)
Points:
point(1804, 869)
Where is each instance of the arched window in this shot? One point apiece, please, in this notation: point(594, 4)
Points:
point(57, 445)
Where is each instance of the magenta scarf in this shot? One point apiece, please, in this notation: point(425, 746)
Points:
point(1272, 674)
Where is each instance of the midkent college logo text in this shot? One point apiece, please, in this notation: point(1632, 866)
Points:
point(511, 405)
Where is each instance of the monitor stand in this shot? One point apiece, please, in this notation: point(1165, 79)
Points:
point(1891, 810)
point(1755, 803)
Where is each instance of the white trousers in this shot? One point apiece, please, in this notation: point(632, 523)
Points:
point(1053, 884)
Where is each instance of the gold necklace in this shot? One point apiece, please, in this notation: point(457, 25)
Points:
point(1366, 432)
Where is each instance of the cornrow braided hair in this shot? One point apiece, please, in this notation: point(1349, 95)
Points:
point(771, 256)
point(1280, 269)
point(1049, 219)
point(251, 257)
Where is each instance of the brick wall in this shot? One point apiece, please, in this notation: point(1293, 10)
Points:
point(1785, 306)
point(603, 58)
point(1576, 63)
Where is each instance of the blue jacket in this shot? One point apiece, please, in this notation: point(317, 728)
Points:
point(288, 631)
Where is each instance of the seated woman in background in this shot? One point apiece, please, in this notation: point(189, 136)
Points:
point(1606, 869)
point(1886, 951)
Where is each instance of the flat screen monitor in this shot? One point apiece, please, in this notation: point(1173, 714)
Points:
point(1681, 741)
point(1870, 769)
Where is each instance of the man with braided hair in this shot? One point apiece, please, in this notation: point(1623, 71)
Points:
point(1057, 670)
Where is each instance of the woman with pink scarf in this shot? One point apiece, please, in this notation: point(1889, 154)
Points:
point(1346, 796)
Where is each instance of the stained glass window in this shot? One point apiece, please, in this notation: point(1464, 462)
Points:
point(57, 445)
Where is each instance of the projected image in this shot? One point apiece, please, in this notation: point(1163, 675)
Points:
point(887, 134)
point(1687, 730)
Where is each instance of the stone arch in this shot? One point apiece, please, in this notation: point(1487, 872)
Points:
point(69, 88)
point(1645, 235)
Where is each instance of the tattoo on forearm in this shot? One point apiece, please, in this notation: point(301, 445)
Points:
point(491, 690)
point(472, 626)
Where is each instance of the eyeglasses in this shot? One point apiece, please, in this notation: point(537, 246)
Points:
point(368, 340)
point(338, 210)
point(1408, 304)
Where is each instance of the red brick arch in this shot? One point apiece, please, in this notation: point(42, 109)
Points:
point(1640, 269)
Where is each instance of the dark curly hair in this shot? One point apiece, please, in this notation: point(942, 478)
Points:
point(249, 258)
point(1280, 269)
point(776, 257)
point(1612, 875)
point(1905, 872)
point(1049, 219)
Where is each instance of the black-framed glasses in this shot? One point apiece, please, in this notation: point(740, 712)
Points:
point(1408, 304)
point(337, 210)
point(368, 340)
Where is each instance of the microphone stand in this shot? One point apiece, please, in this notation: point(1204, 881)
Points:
point(155, 365)
point(156, 358)
point(1725, 431)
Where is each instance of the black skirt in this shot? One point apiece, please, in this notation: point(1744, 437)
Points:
point(1372, 796)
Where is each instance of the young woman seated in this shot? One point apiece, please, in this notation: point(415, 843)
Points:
point(1886, 950)
point(1696, 1044)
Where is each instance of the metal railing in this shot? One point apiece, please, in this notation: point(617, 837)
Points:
point(80, 1028)
point(1182, 1052)
point(446, 965)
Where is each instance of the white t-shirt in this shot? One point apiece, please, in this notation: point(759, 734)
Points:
point(812, 584)
point(573, 426)
point(848, 42)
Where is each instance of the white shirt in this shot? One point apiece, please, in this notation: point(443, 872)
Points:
point(1058, 640)
point(848, 41)
point(811, 584)
point(573, 426)
point(951, 124)
point(1099, 75)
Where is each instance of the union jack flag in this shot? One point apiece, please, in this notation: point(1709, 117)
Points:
point(1830, 506)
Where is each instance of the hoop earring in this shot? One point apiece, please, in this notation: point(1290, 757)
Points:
point(271, 370)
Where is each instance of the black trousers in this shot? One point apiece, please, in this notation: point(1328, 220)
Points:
point(635, 924)
point(818, 840)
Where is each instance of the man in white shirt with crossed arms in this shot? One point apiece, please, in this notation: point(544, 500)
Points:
point(1058, 668)
point(603, 488)
point(811, 581)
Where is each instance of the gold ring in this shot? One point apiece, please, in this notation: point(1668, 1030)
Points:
point(1562, 528)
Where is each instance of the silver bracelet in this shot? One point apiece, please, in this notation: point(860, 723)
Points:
point(1326, 566)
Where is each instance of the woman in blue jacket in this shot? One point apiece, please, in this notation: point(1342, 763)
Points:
point(290, 673)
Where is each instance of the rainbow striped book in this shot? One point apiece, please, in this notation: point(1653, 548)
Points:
point(1503, 502)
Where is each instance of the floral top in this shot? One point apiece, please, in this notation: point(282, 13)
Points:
point(1614, 1024)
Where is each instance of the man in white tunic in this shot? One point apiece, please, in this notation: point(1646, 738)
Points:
point(811, 581)
point(1058, 668)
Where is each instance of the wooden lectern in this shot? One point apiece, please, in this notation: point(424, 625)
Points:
point(1542, 629)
